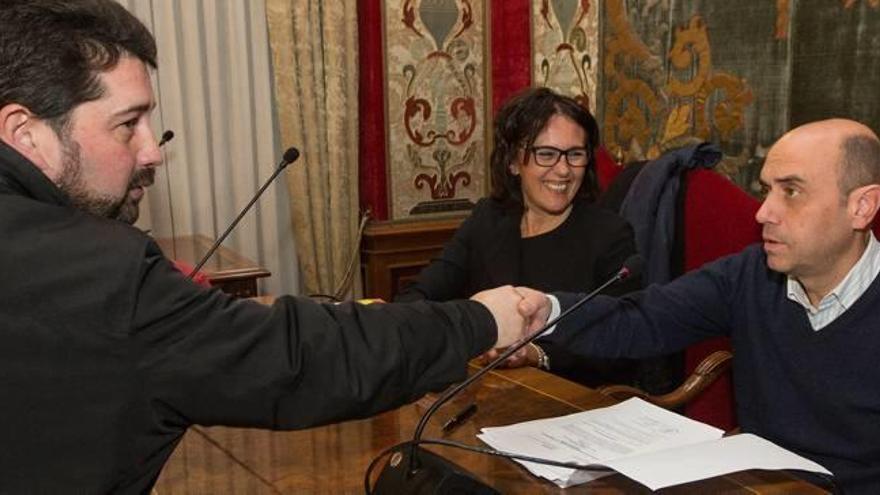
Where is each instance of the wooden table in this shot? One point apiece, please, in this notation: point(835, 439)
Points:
point(226, 269)
point(332, 459)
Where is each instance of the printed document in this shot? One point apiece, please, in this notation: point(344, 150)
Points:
point(651, 445)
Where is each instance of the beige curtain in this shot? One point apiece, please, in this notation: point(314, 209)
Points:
point(214, 90)
point(314, 53)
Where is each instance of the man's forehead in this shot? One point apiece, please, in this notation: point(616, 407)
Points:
point(127, 86)
point(809, 160)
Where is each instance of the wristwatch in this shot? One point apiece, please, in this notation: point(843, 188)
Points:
point(543, 360)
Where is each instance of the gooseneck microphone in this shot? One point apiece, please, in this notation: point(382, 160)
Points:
point(289, 157)
point(168, 135)
point(420, 471)
point(632, 265)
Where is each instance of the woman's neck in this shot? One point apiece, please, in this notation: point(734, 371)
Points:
point(535, 223)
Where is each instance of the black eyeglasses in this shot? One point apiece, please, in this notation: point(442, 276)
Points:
point(548, 156)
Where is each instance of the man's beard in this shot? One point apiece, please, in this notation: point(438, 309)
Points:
point(125, 209)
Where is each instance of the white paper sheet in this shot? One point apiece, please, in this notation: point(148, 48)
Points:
point(651, 445)
point(708, 459)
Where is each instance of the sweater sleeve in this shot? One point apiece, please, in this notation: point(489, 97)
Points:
point(208, 359)
point(655, 321)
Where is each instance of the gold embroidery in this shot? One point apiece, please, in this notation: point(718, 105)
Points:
point(642, 117)
point(691, 48)
point(847, 4)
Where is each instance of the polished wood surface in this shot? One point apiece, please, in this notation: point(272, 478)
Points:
point(393, 253)
point(333, 459)
point(230, 271)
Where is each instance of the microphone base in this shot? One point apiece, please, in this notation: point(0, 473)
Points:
point(413, 470)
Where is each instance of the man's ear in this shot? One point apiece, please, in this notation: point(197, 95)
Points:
point(863, 205)
point(32, 137)
point(14, 128)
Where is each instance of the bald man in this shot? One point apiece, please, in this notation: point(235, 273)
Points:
point(800, 309)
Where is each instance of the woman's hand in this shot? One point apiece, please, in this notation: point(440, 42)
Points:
point(527, 356)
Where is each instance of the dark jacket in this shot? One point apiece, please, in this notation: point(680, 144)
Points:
point(652, 202)
point(583, 252)
point(108, 354)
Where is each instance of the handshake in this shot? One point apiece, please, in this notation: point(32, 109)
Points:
point(518, 311)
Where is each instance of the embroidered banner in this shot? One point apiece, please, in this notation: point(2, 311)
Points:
point(435, 105)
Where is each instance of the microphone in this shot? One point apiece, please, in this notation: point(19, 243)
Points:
point(289, 157)
point(168, 135)
point(415, 470)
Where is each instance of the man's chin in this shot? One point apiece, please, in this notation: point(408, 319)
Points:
point(128, 212)
point(775, 263)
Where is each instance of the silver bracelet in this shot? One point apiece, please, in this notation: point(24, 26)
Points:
point(543, 359)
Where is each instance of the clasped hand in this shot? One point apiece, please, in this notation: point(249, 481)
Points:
point(518, 312)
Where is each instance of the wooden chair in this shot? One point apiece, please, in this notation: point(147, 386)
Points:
point(717, 218)
point(709, 369)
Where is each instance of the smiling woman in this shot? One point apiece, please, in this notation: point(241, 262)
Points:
point(540, 227)
point(548, 183)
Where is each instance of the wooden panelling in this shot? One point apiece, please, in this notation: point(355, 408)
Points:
point(393, 253)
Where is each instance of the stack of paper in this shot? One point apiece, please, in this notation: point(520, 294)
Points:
point(651, 445)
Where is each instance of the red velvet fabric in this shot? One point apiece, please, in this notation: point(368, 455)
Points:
point(719, 219)
point(371, 111)
point(606, 168)
point(511, 49)
point(185, 268)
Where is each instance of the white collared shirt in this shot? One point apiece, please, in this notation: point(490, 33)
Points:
point(847, 292)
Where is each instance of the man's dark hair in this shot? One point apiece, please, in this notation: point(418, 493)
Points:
point(860, 162)
point(52, 52)
point(518, 124)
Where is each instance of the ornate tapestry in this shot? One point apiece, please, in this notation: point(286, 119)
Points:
point(736, 73)
point(436, 105)
point(565, 39)
point(835, 65)
point(662, 87)
point(657, 74)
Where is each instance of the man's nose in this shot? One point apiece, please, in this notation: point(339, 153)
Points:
point(150, 155)
point(765, 212)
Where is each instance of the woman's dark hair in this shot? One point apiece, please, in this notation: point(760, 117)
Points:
point(53, 51)
point(518, 124)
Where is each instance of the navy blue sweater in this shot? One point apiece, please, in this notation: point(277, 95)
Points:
point(816, 393)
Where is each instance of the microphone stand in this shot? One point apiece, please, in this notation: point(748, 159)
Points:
point(289, 157)
point(411, 478)
point(167, 136)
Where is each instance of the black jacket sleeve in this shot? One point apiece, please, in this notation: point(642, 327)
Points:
point(208, 359)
